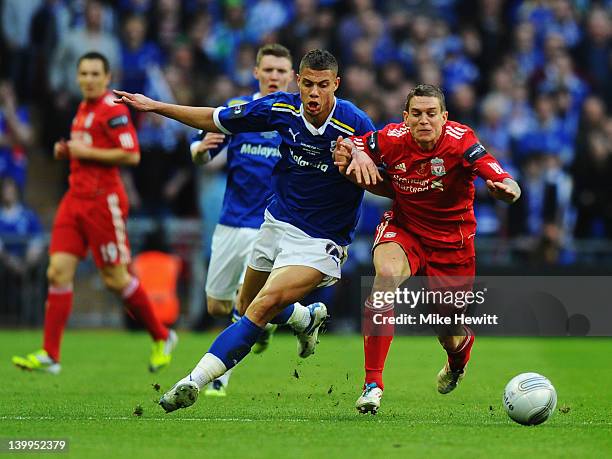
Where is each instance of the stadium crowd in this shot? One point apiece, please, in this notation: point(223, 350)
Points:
point(532, 77)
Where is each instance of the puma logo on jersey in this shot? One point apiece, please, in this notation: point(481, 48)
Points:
point(293, 134)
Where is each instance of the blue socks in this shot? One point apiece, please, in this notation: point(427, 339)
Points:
point(235, 342)
point(283, 317)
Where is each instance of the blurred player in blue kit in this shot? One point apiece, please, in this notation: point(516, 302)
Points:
point(251, 157)
point(308, 223)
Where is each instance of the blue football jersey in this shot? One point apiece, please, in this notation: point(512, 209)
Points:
point(309, 191)
point(251, 157)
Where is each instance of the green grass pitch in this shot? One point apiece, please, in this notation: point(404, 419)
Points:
point(269, 412)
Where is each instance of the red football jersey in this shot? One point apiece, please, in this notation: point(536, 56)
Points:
point(101, 124)
point(434, 190)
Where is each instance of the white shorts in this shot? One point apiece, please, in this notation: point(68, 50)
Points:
point(280, 244)
point(230, 252)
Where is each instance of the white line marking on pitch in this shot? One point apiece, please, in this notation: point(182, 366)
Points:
point(169, 418)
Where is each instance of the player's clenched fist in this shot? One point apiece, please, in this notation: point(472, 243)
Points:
point(60, 150)
point(342, 154)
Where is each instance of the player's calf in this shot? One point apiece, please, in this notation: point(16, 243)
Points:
point(219, 308)
point(458, 357)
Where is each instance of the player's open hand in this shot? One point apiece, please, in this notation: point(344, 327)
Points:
point(363, 168)
point(211, 140)
point(199, 150)
point(507, 191)
point(138, 102)
point(60, 150)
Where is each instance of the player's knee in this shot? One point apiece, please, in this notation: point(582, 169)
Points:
point(450, 343)
point(115, 280)
point(390, 270)
point(57, 276)
point(219, 308)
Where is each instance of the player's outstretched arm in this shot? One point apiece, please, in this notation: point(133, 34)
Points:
point(197, 117)
point(110, 156)
point(507, 190)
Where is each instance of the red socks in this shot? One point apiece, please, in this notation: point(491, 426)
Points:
point(58, 308)
point(458, 359)
point(139, 306)
point(376, 341)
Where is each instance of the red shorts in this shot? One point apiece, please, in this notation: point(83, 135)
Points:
point(96, 223)
point(441, 274)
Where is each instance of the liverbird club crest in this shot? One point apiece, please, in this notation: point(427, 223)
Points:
point(437, 167)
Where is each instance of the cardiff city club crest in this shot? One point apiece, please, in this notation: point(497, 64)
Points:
point(437, 167)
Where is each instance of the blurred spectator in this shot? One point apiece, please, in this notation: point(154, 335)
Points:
point(162, 185)
point(226, 37)
point(592, 169)
point(165, 23)
point(457, 69)
point(199, 30)
point(76, 42)
point(263, 17)
point(493, 131)
point(564, 22)
point(528, 56)
point(546, 135)
point(462, 104)
point(595, 51)
point(15, 136)
point(240, 70)
point(49, 24)
point(16, 18)
point(137, 55)
point(21, 242)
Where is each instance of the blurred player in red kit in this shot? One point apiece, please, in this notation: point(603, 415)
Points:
point(92, 216)
point(431, 164)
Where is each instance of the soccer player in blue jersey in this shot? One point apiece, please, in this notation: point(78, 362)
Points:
point(251, 156)
point(309, 221)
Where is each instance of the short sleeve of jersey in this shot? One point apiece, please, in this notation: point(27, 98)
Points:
point(254, 116)
point(118, 125)
point(481, 162)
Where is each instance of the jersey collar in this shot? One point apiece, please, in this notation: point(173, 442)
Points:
point(257, 95)
point(313, 130)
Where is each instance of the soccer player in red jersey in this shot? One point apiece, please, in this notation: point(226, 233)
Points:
point(431, 164)
point(92, 215)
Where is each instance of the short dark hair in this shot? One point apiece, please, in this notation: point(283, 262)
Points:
point(97, 56)
point(273, 49)
point(319, 59)
point(426, 90)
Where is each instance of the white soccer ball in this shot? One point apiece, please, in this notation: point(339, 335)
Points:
point(530, 399)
